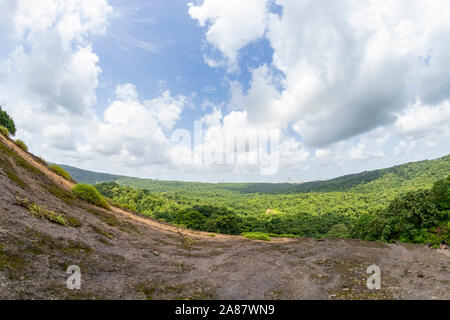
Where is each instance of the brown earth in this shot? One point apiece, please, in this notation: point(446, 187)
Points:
point(125, 256)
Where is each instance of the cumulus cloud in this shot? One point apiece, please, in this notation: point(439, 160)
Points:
point(231, 24)
point(348, 66)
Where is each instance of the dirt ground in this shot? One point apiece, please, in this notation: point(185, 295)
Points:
point(124, 256)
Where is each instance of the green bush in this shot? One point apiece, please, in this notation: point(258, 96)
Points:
point(441, 193)
point(191, 219)
point(89, 194)
point(4, 131)
point(229, 224)
point(257, 236)
point(338, 231)
point(61, 172)
point(7, 122)
point(21, 145)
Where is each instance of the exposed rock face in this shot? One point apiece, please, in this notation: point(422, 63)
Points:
point(124, 256)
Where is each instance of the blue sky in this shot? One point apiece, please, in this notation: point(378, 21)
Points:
point(348, 86)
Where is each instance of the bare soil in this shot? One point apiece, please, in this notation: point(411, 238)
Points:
point(125, 256)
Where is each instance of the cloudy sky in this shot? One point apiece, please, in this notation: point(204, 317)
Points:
point(350, 85)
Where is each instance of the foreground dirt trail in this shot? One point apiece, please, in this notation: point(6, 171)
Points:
point(124, 256)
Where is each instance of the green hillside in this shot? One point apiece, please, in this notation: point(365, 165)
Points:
point(360, 205)
point(406, 176)
point(89, 177)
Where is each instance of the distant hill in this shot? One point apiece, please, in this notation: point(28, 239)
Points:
point(89, 177)
point(409, 175)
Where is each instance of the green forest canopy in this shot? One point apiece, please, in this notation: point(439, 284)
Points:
point(407, 203)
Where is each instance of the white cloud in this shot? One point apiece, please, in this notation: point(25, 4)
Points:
point(231, 24)
point(348, 66)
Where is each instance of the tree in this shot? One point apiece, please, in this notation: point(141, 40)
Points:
point(229, 224)
point(7, 122)
point(191, 219)
point(408, 214)
point(441, 193)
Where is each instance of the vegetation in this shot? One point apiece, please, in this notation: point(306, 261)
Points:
point(21, 145)
point(405, 203)
point(60, 171)
point(4, 131)
point(89, 194)
point(7, 122)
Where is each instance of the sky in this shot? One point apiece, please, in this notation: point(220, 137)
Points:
point(288, 90)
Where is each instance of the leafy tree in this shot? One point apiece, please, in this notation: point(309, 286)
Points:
point(339, 230)
point(441, 193)
point(191, 219)
point(229, 224)
point(408, 214)
point(7, 122)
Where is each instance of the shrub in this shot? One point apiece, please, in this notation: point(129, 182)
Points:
point(229, 224)
point(191, 219)
point(4, 131)
point(257, 236)
point(61, 172)
point(338, 231)
point(21, 145)
point(7, 122)
point(441, 193)
point(89, 194)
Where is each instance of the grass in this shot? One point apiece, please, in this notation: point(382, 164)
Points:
point(266, 236)
point(18, 160)
point(102, 232)
point(256, 236)
point(59, 193)
point(21, 145)
point(4, 131)
point(42, 213)
point(61, 172)
point(91, 195)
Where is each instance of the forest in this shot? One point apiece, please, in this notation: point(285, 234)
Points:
point(407, 203)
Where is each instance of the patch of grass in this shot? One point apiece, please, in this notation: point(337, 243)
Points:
point(186, 242)
point(8, 169)
point(12, 263)
point(45, 244)
point(59, 193)
point(61, 172)
point(41, 161)
point(4, 131)
point(73, 222)
point(257, 236)
point(21, 145)
point(112, 221)
point(212, 235)
point(173, 291)
point(42, 213)
point(91, 195)
point(285, 235)
point(19, 160)
point(102, 232)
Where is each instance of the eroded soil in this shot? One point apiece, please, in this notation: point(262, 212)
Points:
point(124, 256)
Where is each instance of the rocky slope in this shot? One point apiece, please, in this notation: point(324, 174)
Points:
point(124, 256)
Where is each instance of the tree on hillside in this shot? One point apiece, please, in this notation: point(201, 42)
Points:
point(441, 192)
point(7, 122)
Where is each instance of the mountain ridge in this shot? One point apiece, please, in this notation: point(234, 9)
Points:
point(341, 183)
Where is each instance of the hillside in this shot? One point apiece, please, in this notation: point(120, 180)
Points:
point(126, 256)
point(414, 174)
